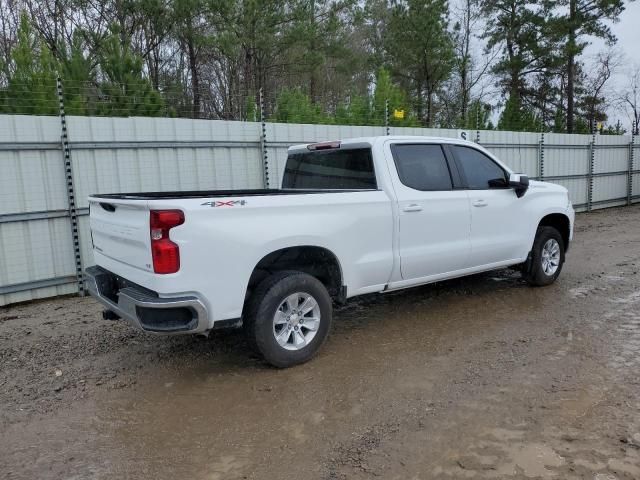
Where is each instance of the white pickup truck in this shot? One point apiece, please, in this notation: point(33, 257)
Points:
point(352, 217)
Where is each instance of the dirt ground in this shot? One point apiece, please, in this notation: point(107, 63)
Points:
point(483, 377)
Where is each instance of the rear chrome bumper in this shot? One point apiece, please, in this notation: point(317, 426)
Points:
point(143, 308)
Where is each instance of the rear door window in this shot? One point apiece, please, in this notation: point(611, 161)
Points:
point(480, 171)
point(335, 169)
point(422, 166)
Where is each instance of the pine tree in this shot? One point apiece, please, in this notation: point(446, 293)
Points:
point(386, 90)
point(421, 52)
point(125, 89)
point(479, 116)
point(294, 106)
point(32, 85)
point(519, 29)
point(516, 117)
point(78, 77)
point(584, 18)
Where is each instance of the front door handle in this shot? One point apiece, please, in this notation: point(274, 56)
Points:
point(414, 207)
point(480, 203)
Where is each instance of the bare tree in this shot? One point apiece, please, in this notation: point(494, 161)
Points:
point(594, 101)
point(629, 99)
point(472, 64)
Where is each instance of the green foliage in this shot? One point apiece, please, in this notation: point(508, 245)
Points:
point(387, 90)
point(580, 19)
point(479, 117)
point(517, 118)
point(421, 52)
point(126, 90)
point(78, 77)
point(294, 106)
point(252, 113)
point(581, 125)
point(315, 61)
point(616, 129)
point(32, 85)
point(519, 29)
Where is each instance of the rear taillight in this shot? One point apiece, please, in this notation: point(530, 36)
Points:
point(165, 253)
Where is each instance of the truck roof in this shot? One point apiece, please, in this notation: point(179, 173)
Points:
point(373, 140)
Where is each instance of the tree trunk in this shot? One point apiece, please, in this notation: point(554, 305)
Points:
point(571, 66)
point(419, 105)
point(247, 72)
point(464, 66)
point(195, 78)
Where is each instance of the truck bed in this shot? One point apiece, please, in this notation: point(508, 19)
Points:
point(213, 194)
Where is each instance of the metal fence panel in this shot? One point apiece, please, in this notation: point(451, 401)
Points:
point(35, 252)
point(611, 154)
point(425, 132)
point(86, 249)
point(636, 187)
point(159, 154)
point(577, 189)
point(31, 172)
point(610, 188)
point(566, 154)
point(519, 150)
point(35, 238)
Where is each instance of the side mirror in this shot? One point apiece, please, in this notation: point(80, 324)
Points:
point(519, 182)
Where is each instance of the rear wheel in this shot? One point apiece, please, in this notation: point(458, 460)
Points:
point(547, 257)
point(288, 318)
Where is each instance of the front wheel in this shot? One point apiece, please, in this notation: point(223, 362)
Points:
point(547, 257)
point(288, 318)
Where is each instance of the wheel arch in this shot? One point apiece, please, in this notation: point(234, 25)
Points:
point(560, 222)
point(316, 261)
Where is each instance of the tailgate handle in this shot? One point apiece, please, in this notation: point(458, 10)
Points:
point(108, 207)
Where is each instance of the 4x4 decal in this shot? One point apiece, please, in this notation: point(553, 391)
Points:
point(225, 203)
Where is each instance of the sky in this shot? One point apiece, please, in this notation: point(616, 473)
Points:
point(628, 32)
point(627, 29)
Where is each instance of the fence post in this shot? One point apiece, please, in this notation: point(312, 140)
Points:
point(386, 117)
point(71, 193)
point(592, 161)
point(541, 157)
point(263, 143)
point(630, 173)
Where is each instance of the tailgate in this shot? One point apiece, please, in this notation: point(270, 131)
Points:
point(120, 231)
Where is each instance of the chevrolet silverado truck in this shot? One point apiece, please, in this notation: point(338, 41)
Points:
point(352, 217)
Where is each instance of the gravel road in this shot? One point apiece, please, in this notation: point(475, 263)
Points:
point(482, 377)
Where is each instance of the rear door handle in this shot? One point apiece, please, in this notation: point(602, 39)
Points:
point(480, 203)
point(414, 207)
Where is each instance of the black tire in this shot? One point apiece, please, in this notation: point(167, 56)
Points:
point(535, 274)
point(262, 306)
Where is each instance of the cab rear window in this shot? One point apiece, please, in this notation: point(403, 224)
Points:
point(335, 169)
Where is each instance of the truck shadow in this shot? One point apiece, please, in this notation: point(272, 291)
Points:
point(365, 313)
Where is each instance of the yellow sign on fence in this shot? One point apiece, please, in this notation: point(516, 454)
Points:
point(398, 114)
